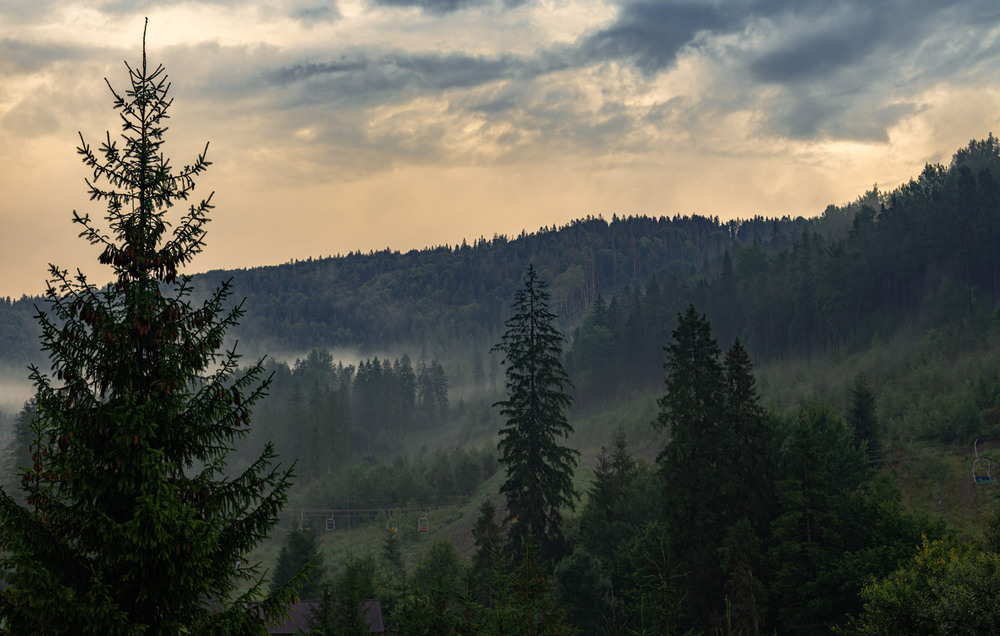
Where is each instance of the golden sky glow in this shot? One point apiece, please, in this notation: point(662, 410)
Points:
point(367, 124)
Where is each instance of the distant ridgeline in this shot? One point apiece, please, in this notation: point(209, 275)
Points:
point(454, 298)
point(448, 297)
point(928, 251)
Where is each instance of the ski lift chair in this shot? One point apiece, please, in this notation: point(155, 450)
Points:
point(981, 468)
point(304, 522)
point(423, 525)
point(390, 523)
point(981, 472)
point(331, 523)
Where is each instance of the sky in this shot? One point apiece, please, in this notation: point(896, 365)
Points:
point(355, 125)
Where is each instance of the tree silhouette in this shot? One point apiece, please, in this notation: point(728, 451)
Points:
point(131, 525)
point(539, 479)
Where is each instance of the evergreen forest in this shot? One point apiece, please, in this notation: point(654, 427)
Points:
point(624, 425)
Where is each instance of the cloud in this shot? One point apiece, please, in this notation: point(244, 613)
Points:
point(341, 98)
point(369, 77)
point(651, 33)
point(21, 57)
point(446, 6)
point(314, 13)
point(848, 70)
point(133, 7)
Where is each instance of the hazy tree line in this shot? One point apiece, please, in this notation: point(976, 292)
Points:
point(926, 253)
point(325, 414)
point(451, 296)
point(344, 428)
point(456, 296)
point(929, 250)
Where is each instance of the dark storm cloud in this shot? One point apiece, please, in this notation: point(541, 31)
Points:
point(651, 33)
point(808, 69)
point(446, 6)
point(18, 57)
point(812, 45)
point(848, 71)
point(369, 77)
point(307, 12)
point(317, 13)
point(800, 69)
point(26, 12)
point(809, 40)
point(132, 7)
point(812, 57)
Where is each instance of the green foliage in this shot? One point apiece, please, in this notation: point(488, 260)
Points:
point(131, 525)
point(615, 471)
point(625, 497)
point(18, 451)
point(717, 466)
point(539, 470)
point(392, 556)
point(521, 599)
point(439, 583)
point(584, 588)
point(324, 415)
point(653, 601)
point(343, 606)
point(861, 416)
point(946, 588)
point(838, 525)
point(443, 477)
point(300, 565)
point(489, 542)
point(741, 554)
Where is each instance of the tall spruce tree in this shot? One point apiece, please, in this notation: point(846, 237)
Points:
point(751, 497)
point(299, 553)
point(131, 525)
point(700, 480)
point(861, 416)
point(539, 481)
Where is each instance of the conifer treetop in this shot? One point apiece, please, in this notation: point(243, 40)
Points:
point(133, 524)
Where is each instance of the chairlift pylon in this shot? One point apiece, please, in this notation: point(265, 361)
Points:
point(980, 467)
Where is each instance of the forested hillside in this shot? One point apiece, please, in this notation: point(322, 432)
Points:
point(926, 255)
point(451, 297)
point(825, 380)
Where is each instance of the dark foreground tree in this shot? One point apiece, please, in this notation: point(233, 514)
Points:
point(131, 525)
point(539, 479)
point(695, 464)
point(717, 475)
